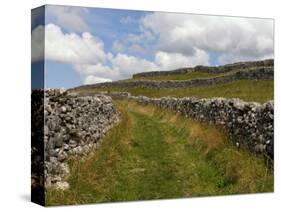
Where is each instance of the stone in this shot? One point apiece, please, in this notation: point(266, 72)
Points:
point(72, 143)
point(240, 119)
point(64, 170)
point(58, 140)
point(48, 108)
point(68, 119)
point(261, 138)
point(51, 125)
point(259, 148)
point(63, 109)
point(239, 105)
point(62, 156)
point(52, 153)
point(53, 160)
point(62, 185)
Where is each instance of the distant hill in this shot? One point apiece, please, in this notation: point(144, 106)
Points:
point(250, 81)
point(210, 69)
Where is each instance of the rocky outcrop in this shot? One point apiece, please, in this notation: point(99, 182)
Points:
point(261, 73)
point(72, 126)
point(209, 69)
point(249, 124)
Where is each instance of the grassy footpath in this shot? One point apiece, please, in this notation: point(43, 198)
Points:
point(156, 154)
point(248, 90)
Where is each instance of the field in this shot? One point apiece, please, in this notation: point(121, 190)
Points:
point(187, 76)
point(157, 154)
point(247, 90)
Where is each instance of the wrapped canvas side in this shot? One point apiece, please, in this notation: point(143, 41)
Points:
point(37, 108)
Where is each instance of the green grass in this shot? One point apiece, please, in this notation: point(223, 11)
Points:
point(187, 76)
point(157, 154)
point(247, 90)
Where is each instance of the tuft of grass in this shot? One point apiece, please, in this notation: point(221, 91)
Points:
point(247, 90)
point(158, 154)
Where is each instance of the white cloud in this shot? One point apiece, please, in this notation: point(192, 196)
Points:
point(91, 79)
point(128, 65)
point(142, 43)
point(238, 37)
point(87, 55)
point(232, 58)
point(67, 47)
point(70, 18)
point(168, 61)
point(121, 66)
point(99, 70)
point(85, 52)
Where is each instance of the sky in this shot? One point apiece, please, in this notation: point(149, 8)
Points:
point(93, 45)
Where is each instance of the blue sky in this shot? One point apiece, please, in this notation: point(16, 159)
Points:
point(92, 45)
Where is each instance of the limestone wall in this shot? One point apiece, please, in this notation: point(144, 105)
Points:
point(72, 126)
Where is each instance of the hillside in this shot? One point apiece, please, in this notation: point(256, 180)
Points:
point(206, 71)
point(164, 146)
point(250, 81)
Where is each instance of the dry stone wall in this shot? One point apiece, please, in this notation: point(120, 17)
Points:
point(262, 73)
point(249, 124)
point(210, 69)
point(72, 126)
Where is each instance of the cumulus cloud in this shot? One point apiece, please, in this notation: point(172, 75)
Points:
point(141, 43)
point(87, 55)
point(171, 40)
point(167, 61)
point(239, 38)
point(91, 79)
point(67, 47)
point(122, 66)
point(128, 65)
point(85, 52)
point(99, 70)
point(70, 18)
